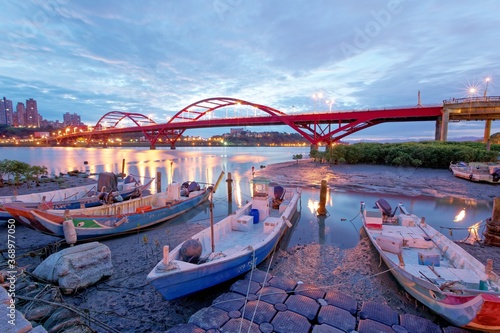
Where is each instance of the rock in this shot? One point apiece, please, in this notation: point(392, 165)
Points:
point(13, 321)
point(4, 297)
point(38, 329)
point(36, 310)
point(77, 267)
point(62, 318)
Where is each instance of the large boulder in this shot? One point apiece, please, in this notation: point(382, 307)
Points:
point(77, 267)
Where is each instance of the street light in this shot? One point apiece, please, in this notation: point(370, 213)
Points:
point(317, 97)
point(486, 89)
point(330, 102)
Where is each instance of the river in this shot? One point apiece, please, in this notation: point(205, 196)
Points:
point(339, 228)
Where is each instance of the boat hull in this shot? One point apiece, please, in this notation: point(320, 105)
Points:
point(192, 281)
point(241, 250)
point(89, 227)
point(468, 307)
point(477, 172)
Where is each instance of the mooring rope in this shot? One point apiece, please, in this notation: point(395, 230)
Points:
point(248, 289)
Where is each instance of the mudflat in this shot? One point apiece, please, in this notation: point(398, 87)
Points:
point(128, 304)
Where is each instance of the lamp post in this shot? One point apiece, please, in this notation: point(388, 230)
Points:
point(486, 89)
point(317, 97)
point(330, 102)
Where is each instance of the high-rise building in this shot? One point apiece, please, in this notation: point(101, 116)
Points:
point(32, 118)
point(72, 119)
point(20, 115)
point(6, 111)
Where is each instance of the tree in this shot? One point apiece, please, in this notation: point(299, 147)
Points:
point(297, 157)
point(36, 171)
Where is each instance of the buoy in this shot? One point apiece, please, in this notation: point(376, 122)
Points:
point(69, 232)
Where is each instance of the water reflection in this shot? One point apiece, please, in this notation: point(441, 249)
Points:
point(340, 227)
point(460, 216)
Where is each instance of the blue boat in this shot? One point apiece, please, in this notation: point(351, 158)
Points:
point(119, 218)
point(107, 190)
point(227, 249)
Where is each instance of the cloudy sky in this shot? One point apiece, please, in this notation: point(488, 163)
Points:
point(156, 57)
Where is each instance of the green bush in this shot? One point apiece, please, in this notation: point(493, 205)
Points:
point(427, 154)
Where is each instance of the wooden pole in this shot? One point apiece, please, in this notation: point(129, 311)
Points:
point(158, 182)
point(123, 168)
point(212, 222)
point(229, 187)
point(322, 198)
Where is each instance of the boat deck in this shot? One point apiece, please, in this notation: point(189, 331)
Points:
point(425, 255)
point(231, 234)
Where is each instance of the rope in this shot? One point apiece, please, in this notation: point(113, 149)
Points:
point(260, 291)
point(69, 307)
point(248, 289)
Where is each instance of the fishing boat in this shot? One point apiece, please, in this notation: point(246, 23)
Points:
point(107, 190)
point(118, 218)
point(228, 248)
point(477, 171)
point(435, 270)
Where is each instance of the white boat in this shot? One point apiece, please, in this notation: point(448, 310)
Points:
point(477, 171)
point(434, 269)
point(230, 248)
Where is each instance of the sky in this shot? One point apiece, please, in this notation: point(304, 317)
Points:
point(157, 57)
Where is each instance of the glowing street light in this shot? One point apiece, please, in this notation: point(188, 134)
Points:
point(472, 91)
point(317, 97)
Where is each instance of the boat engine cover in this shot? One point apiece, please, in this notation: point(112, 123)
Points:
point(191, 251)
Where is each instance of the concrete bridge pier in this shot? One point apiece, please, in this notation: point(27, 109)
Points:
point(487, 131)
point(437, 131)
point(445, 119)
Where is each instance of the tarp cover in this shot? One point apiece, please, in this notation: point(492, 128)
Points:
point(109, 180)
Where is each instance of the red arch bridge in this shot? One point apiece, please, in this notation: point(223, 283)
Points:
point(317, 127)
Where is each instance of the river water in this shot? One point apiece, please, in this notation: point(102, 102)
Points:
point(340, 228)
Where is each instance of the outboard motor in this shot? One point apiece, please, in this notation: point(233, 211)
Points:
point(279, 194)
point(194, 186)
point(385, 207)
point(191, 251)
point(184, 189)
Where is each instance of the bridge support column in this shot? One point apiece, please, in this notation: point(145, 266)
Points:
point(152, 147)
point(437, 131)
point(314, 147)
point(444, 124)
point(487, 130)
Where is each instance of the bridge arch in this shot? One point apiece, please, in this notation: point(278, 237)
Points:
point(113, 118)
point(199, 109)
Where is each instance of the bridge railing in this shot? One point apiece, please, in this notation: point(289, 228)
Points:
point(472, 99)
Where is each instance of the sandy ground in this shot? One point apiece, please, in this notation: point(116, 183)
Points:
point(127, 303)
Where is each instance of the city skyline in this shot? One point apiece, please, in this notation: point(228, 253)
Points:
point(156, 58)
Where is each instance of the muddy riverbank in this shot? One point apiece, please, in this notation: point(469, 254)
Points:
point(127, 303)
